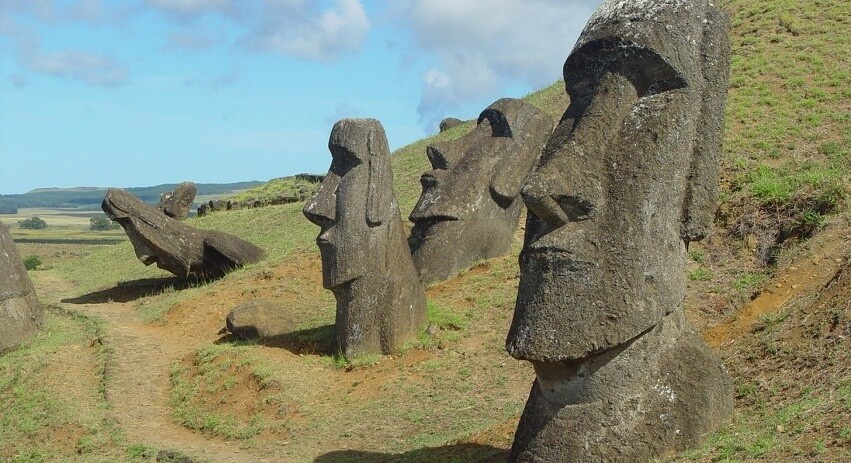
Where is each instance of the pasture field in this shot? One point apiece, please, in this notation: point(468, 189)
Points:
point(64, 226)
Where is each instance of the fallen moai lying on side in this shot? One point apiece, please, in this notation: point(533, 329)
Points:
point(173, 245)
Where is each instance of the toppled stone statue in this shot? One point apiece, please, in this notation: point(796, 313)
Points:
point(470, 202)
point(450, 123)
point(627, 180)
point(176, 204)
point(21, 315)
point(365, 258)
point(173, 245)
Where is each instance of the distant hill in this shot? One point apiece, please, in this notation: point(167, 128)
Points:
point(92, 196)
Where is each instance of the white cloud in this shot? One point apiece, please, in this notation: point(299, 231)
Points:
point(93, 69)
point(320, 35)
point(485, 47)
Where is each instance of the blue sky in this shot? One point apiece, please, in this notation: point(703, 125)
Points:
point(142, 92)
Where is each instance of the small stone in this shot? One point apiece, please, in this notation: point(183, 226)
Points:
point(432, 329)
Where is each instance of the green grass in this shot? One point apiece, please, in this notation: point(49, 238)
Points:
point(42, 420)
point(285, 187)
point(786, 153)
point(216, 370)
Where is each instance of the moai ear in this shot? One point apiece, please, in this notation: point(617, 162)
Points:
point(380, 188)
point(702, 191)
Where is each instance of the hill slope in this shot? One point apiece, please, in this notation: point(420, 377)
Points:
point(456, 396)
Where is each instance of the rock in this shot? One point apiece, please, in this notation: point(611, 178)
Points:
point(365, 258)
point(21, 315)
point(173, 245)
point(176, 204)
point(217, 205)
point(449, 123)
point(628, 178)
point(259, 319)
point(470, 202)
point(203, 210)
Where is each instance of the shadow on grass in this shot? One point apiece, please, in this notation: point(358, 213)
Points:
point(457, 453)
point(310, 341)
point(133, 290)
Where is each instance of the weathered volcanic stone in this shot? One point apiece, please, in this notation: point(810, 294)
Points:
point(365, 258)
point(449, 123)
point(21, 315)
point(470, 202)
point(627, 179)
point(176, 204)
point(173, 245)
point(259, 319)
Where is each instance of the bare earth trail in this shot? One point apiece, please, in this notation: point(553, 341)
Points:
point(140, 357)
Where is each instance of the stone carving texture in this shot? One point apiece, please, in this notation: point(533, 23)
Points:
point(21, 315)
point(176, 204)
point(627, 179)
point(365, 258)
point(470, 202)
point(173, 245)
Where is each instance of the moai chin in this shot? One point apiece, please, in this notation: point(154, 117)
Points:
point(21, 315)
point(365, 258)
point(627, 180)
point(470, 202)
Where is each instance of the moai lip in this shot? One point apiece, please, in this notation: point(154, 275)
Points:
point(628, 178)
point(365, 258)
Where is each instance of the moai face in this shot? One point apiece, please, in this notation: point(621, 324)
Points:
point(354, 202)
point(627, 179)
point(469, 205)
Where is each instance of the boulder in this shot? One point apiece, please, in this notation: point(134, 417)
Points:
point(259, 319)
point(449, 122)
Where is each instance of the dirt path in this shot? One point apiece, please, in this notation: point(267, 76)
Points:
point(807, 274)
point(139, 360)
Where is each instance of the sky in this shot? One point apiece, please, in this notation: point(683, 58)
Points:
point(143, 92)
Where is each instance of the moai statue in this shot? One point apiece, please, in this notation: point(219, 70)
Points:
point(470, 203)
point(173, 245)
point(627, 180)
point(365, 258)
point(21, 315)
point(176, 204)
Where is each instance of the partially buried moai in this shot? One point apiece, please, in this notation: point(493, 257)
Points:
point(21, 315)
point(627, 180)
point(365, 258)
point(470, 202)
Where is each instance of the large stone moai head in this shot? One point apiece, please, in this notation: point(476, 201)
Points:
point(21, 315)
point(627, 179)
point(176, 204)
point(470, 203)
point(174, 246)
point(365, 257)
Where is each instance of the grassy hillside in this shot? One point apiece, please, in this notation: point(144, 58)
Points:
point(456, 395)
